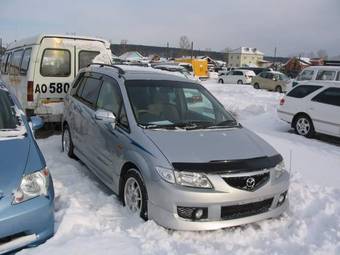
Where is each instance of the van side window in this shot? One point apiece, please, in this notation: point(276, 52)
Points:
point(15, 62)
point(56, 63)
point(306, 75)
point(90, 91)
point(303, 91)
point(329, 96)
point(25, 61)
point(86, 57)
point(324, 75)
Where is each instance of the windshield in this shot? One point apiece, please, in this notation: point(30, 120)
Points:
point(10, 124)
point(173, 104)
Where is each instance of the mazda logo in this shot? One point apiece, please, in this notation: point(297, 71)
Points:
point(250, 182)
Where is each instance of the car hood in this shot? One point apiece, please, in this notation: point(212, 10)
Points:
point(14, 154)
point(201, 146)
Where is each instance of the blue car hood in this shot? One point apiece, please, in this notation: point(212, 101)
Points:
point(14, 154)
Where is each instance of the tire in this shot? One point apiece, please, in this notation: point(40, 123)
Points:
point(220, 81)
point(239, 82)
point(133, 178)
point(67, 143)
point(256, 86)
point(303, 125)
point(278, 89)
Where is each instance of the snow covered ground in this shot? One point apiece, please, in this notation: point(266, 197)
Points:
point(90, 220)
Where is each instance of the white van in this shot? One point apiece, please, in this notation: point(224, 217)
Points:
point(40, 69)
point(319, 73)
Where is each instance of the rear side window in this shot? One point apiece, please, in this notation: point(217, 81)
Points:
point(25, 61)
point(86, 57)
point(90, 90)
point(56, 63)
point(303, 91)
point(306, 75)
point(325, 75)
point(15, 62)
point(329, 96)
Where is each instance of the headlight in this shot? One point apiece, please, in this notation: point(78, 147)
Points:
point(279, 169)
point(32, 185)
point(188, 179)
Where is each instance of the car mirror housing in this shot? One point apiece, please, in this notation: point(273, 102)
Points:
point(105, 116)
point(36, 122)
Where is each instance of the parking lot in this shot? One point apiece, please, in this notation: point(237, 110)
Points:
point(90, 219)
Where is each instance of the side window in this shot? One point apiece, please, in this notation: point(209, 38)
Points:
point(338, 76)
point(56, 63)
point(303, 91)
point(238, 73)
point(324, 75)
point(25, 61)
point(86, 57)
point(8, 62)
point(15, 62)
point(306, 75)
point(76, 83)
point(109, 97)
point(123, 120)
point(90, 90)
point(3, 62)
point(269, 76)
point(329, 96)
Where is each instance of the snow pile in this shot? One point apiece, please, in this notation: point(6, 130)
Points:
point(90, 220)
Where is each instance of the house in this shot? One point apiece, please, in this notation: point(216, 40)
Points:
point(244, 56)
point(296, 64)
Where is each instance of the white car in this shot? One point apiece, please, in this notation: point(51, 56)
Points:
point(319, 73)
point(312, 107)
point(236, 76)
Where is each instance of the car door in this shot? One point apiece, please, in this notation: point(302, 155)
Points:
point(109, 141)
point(324, 110)
point(260, 79)
point(228, 78)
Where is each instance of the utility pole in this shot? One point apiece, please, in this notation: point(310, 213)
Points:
point(275, 58)
point(192, 49)
point(167, 50)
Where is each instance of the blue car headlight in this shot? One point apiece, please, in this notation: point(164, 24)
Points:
point(31, 186)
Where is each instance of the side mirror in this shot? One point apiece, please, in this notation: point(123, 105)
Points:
point(36, 122)
point(106, 116)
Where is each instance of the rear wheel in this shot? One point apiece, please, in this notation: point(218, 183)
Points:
point(135, 194)
point(220, 81)
point(303, 125)
point(67, 143)
point(278, 89)
point(256, 86)
point(239, 82)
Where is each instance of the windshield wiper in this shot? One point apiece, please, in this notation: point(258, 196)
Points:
point(188, 125)
point(225, 124)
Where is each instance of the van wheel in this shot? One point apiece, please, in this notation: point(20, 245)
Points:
point(278, 89)
point(303, 125)
point(67, 143)
point(256, 86)
point(239, 82)
point(220, 81)
point(135, 194)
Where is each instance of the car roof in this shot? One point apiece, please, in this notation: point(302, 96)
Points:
point(321, 83)
point(337, 68)
point(132, 72)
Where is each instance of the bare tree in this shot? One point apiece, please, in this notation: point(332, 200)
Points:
point(322, 54)
point(184, 42)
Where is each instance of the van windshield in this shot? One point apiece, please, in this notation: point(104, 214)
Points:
point(10, 122)
point(174, 104)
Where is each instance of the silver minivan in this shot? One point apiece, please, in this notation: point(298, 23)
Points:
point(169, 149)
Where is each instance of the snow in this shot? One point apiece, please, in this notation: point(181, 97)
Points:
point(90, 219)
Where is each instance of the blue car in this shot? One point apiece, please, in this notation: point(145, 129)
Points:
point(26, 187)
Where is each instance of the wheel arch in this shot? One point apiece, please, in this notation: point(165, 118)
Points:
point(298, 115)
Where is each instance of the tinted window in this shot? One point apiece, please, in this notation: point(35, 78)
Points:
point(269, 76)
point(329, 96)
point(86, 57)
point(109, 97)
point(76, 83)
point(91, 90)
point(303, 90)
point(238, 73)
point(8, 118)
point(15, 62)
point(306, 75)
point(56, 62)
point(25, 61)
point(338, 77)
point(123, 120)
point(324, 75)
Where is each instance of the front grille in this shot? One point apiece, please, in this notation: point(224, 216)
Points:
point(249, 183)
point(245, 210)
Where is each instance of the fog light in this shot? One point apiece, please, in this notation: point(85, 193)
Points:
point(192, 213)
point(198, 214)
point(282, 198)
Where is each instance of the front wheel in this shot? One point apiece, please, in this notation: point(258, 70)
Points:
point(67, 143)
point(256, 86)
point(135, 194)
point(220, 81)
point(239, 82)
point(278, 89)
point(303, 125)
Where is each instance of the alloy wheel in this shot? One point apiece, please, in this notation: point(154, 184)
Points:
point(133, 195)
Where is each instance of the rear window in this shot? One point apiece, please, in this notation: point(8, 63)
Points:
point(303, 91)
point(325, 75)
point(25, 61)
point(56, 63)
point(86, 57)
point(15, 62)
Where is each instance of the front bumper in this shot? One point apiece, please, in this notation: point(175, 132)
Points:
point(26, 224)
point(164, 199)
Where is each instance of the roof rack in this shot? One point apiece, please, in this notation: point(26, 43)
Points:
point(120, 70)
